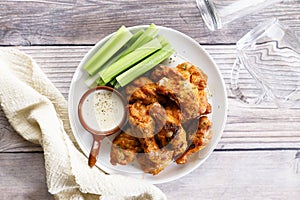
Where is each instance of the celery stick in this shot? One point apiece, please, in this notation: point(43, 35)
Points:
point(150, 33)
point(146, 65)
point(130, 59)
point(134, 38)
point(163, 40)
point(113, 82)
point(117, 85)
point(121, 52)
point(91, 81)
point(100, 82)
point(108, 50)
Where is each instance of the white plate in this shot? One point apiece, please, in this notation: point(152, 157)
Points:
point(188, 49)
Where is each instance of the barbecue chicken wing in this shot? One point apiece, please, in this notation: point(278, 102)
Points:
point(197, 139)
point(198, 78)
point(142, 123)
point(124, 148)
point(165, 118)
point(172, 135)
point(173, 85)
point(154, 159)
point(136, 84)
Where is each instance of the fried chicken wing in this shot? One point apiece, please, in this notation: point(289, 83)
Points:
point(139, 118)
point(197, 140)
point(124, 148)
point(159, 114)
point(137, 83)
point(179, 143)
point(145, 93)
point(154, 159)
point(141, 89)
point(205, 107)
point(172, 136)
point(171, 125)
point(146, 120)
point(193, 74)
point(181, 92)
point(172, 84)
point(173, 140)
point(198, 78)
point(165, 116)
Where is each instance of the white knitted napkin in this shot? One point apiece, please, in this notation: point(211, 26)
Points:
point(38, 112)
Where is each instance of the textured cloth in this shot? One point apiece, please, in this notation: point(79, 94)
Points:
point(38, 112)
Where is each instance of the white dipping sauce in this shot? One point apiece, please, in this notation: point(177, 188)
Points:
point(103, 110)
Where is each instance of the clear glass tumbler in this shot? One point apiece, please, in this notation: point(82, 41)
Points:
point(271, 54)
point(217, 13)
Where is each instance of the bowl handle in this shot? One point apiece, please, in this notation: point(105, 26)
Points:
point(95, 150)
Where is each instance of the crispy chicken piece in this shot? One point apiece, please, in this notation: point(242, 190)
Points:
point(197, 140)
point(172, 84)
point(174, 114)
point(173, 140)
point(136, 85)
point(160, 72)
point(124, 148)
point(179, 143)
point(146, 94)
point(143, 118)
point(171, 125)
point(198, 78)
point(205, 107)
point(149, 144)
point(181, 92)
point(172, 136)
point(159, 114)
point(193, 74)
point(154, 159)
point(157, 109)
point(143, 89)
point(155, 162)
point(139, 118)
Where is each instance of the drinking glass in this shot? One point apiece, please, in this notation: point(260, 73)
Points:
point(271, 54)
point(217, 13)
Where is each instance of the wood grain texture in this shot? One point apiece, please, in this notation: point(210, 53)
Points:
point(34, 22)
point(224, 176)
point(241, 175)
point(22, 176)
point(246, 128)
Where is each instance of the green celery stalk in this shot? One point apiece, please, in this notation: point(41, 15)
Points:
point(150, 33)
point(123, 50)
point(113, 82)
point(117, 85)
point(163, 40)
point(130, 59)
point(145, 65)
point(91, 81)
point(100, 82)
point(110, 47)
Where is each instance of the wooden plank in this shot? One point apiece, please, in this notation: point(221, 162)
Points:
point(33, 22)
point(225, 175)
point(241, 175)
point(246, 128)
point(22, 176)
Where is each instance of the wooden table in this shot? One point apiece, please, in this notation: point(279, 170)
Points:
point(258, 156)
